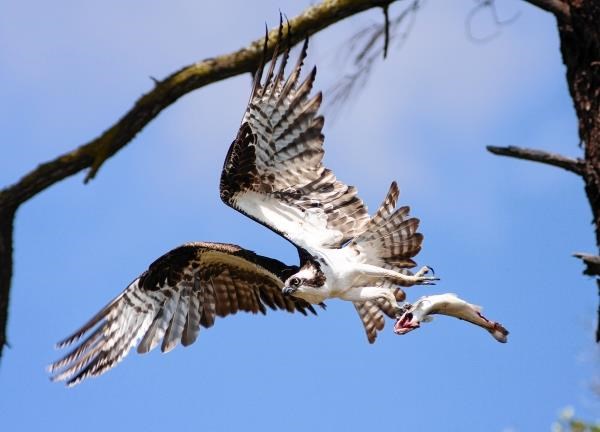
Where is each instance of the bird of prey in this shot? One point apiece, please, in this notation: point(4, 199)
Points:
point(273, 173)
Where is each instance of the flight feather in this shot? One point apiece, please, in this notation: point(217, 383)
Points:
point(182, 291)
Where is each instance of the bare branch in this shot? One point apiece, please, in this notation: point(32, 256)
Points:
point(6, 234)
point(490, 7)
point(574, 165)
point(363, 47)
point(386, 24)
point(557, 7)
point(591, 261)
point(592, 268)
point(94, 153)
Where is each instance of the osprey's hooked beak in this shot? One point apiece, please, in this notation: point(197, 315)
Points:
point(288, 291)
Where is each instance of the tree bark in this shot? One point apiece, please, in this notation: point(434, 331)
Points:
point(580, 47)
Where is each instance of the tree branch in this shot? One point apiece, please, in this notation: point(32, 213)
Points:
point(386, 27)
point(556, 7)
point(6, 234)
point(592, 263)
point(94, 153)
point(574, 165)
point(363, 47)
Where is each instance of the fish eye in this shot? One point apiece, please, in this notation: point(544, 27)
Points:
point(295, 282)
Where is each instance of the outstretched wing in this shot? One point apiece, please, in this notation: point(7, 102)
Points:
point(274, 173)
point(182, 291)
point(372, 313)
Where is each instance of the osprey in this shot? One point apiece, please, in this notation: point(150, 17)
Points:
point(182, 291)
point(273, 173)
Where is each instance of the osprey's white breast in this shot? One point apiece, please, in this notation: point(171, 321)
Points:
point(339, 268)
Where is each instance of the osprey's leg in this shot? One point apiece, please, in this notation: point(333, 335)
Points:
point(362, 294)
point(418, 278)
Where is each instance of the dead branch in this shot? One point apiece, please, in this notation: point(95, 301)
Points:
point(488, 6)
point(574, 165)
point(364, 49)
point(386, 30)
point(592, 263)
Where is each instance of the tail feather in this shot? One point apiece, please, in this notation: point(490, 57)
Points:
point(387, 206)
point(390, 237)
point(371, 313)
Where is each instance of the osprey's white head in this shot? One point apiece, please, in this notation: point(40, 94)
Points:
point(308, 283)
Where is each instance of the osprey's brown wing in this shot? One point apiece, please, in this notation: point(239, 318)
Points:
point(182, 291)
point(274, 173)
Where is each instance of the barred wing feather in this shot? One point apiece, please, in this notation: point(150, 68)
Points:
point(273, 171)
point(182, 291)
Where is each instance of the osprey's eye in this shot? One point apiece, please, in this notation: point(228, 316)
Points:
point(295, 282)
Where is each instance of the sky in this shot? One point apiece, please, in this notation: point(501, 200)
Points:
point(499, 232)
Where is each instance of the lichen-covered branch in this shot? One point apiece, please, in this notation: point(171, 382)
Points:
point(94, 153)
point(574, 165)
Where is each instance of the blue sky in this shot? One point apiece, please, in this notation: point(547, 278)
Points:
point(499, 232)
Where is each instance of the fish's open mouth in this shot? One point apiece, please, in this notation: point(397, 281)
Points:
point(405, 324)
